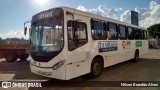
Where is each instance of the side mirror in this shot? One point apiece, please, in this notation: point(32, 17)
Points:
point(25, 30)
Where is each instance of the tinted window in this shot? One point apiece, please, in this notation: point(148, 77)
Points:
point(140, 34)
point(122, 32)
point(112, 28)
point(76, 36)
point(98, 30)
point(136, 33)
point(130, 33)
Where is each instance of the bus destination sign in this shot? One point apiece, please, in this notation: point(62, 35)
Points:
point(46, 14)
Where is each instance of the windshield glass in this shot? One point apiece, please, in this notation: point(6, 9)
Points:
point(47, 34)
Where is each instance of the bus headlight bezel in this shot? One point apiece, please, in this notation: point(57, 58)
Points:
point(58, 64)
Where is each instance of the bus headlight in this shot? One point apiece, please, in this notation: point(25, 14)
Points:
point(59, 64)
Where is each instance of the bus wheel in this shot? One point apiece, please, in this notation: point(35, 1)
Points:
point(136, 56)
point(96, 68)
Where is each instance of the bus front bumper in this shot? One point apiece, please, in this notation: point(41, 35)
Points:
point(49, 72)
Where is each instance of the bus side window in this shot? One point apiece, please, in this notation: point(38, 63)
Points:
point(112, 28)
point(143, 34)
point(136, 34)
point(76, 36)
point(98, 30)
point(130, 34)
point(140, 34)
point(122, 32)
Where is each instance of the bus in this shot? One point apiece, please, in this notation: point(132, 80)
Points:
point(66, 43)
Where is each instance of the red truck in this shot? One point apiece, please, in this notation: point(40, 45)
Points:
point(14, 51)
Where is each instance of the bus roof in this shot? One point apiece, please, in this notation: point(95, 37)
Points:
point(88, 14)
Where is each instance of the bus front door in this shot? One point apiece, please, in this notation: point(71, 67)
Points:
point(78, 46)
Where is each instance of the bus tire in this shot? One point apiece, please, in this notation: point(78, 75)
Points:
point(96, 68)
point(11, 57)
point(136, 56)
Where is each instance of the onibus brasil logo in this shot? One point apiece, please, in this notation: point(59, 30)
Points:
point(6, 84)
point(20, 84)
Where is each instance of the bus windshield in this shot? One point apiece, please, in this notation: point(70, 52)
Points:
point(47, 36)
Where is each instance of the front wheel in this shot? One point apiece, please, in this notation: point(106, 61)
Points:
point(96, 68)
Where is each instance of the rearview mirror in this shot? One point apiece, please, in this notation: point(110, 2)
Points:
point(25, 30)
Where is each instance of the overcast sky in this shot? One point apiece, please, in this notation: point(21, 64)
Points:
point(13, 13)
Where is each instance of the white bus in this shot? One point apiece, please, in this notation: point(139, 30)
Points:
point(66, 43)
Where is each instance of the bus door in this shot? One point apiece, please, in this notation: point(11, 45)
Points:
point(78, 46)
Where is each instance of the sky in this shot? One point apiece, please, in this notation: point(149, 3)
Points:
point(13, 13)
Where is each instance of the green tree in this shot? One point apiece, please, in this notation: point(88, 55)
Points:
point(154, 31)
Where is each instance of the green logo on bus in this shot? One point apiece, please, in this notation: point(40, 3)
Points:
point(138, 43)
